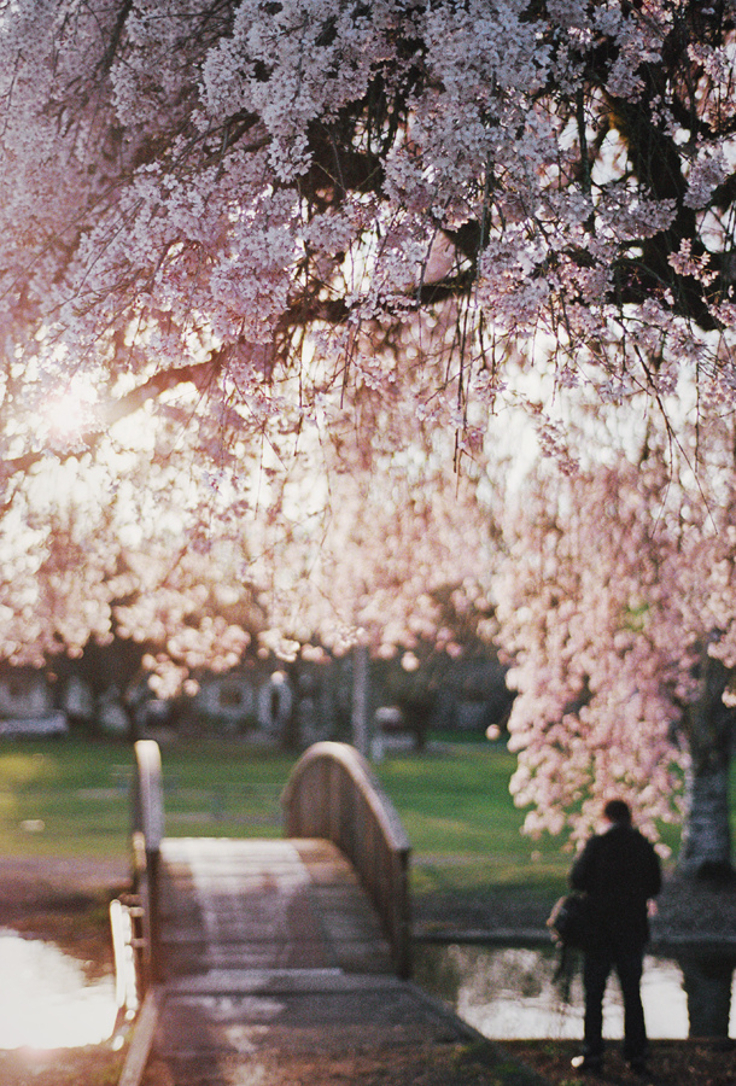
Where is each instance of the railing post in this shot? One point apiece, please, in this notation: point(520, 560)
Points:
point(148, 832)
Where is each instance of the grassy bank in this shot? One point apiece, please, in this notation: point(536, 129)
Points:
point(463, 826)
point(70, 798)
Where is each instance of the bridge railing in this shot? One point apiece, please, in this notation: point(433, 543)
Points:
point(147, 800)
point(333, 793)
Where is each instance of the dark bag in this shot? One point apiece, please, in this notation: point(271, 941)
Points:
point(569, 921)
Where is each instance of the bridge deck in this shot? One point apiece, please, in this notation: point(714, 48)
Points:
point(276, 973)
point(249, 904)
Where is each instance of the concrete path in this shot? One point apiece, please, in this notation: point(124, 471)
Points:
point(276, 973)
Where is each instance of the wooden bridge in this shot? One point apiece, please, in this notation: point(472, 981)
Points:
point(275, 963)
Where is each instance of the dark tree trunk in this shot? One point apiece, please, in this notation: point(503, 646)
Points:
point(706, 838)
point(707, 982)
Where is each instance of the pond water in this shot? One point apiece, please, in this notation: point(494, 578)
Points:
point(510, 993)
point(46, 1001)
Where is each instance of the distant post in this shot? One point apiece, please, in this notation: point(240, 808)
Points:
point(359, 715)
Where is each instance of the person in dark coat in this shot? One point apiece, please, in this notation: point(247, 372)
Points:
point(620, 872)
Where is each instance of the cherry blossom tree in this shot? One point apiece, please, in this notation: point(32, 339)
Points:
point(321, 250)
point(616, 605)
point(138, 539)
point(257, 197)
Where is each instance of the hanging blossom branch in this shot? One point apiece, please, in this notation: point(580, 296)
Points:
point(295, 166)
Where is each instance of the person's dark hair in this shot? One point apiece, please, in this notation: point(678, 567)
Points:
point(616, 810)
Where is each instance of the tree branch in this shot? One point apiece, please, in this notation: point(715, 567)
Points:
point(200, 374)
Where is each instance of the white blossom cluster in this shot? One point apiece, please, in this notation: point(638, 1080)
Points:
point(617, 585)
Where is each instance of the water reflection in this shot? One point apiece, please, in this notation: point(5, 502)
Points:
point(510, 992)
point(45, 999)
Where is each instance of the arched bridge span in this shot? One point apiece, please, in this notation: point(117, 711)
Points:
point(340, 829)
point(261, 959)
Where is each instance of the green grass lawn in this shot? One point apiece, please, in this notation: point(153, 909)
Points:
point(70, 798)
point(463, 826)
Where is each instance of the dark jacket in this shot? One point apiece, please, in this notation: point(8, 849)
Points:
point(620, 871)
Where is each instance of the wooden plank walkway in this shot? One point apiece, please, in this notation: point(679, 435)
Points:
point(250, 904)
point(276, 973)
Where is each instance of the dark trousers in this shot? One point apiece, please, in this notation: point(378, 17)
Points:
point(597, 966)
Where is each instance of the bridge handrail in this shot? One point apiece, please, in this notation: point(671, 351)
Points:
point(148, 832)
point(333, 793)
